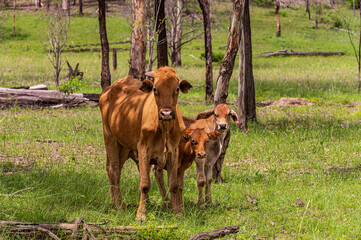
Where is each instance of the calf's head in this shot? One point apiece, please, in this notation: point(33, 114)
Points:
point(165, 85)
point(221, 114)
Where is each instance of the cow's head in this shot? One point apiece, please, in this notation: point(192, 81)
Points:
point(198, 139)
point(165, 85)
point(221, 114)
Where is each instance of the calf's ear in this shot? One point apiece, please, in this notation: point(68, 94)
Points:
point(147, 86)
point(205, 114)
point(185, 86)
point(214, 135)
point(234, 117)
point(150, 75)
point(187, 134)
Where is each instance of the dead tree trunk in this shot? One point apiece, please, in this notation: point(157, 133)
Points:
point(225, 73)
point(277, 7)
point(206, 11)
point(162, 49)
point(226, 69)
point(176, 32)
point(105, 74)
point(315, 14)
point(138, 45)
point(308, 9)
point(81, 7)
point(246, 102)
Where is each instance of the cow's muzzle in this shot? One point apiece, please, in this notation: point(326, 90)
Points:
point(222, 126)
point(201, 155)
point(166, 115)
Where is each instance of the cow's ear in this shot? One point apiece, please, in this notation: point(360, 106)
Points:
point(150, 75)
point(234, 117)
point(147, 86)
point(214, 135)
point(187, 134)
point(185, 86)
point(205, 114)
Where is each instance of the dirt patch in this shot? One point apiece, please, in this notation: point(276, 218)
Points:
point(285, 102)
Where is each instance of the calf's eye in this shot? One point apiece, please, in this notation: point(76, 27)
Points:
point(155, 90)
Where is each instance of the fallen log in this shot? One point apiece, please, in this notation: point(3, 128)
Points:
point(218, 233)
point(72, 229)
point(293, 53)
point(41, 98)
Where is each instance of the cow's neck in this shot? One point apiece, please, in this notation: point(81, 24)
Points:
point(166, 127)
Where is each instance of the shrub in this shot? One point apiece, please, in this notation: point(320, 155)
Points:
point(216, 57)
point(73, 84)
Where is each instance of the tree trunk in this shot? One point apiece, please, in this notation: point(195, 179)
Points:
point(138, 47)
point(353, 7)
point(315, 14)
point(206, 11)
point(226, 69)
point(246, 102)
point(105, 74)
point(162, 49)
point(277, 7)
point(47, 5)
point(81, 7)
point(308, 9)
point(177, 34)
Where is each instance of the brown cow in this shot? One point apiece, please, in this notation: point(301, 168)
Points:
point(216, 119)
point(191, 148)
point(143, 118)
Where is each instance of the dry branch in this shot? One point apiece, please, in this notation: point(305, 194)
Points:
point(14, 193)
point(92, 49)
point(72, 229)
point(95, 44)
point(293, 53)
point(218, 233)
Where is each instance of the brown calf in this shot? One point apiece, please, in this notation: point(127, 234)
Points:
point(191, 148)
point(143, 118)
point(216, 119)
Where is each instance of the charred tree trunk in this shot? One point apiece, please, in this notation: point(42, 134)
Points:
point(176, 34)
point(81, 7)
point(226, 69)
point(277, 7)
point(138, 46)
point(246, 103)
point(206, 10)
point(105, 74)
point(308, 9)
point(162, 49)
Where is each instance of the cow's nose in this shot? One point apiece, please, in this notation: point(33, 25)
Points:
point(201, 155)
point(166, 115)
point(222, 126)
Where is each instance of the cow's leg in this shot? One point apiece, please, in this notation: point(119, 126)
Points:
point(172, 170)
point(180, 185)
point(116, 156)
point(145, 184)
point(159, 177)
point(208, 170)
point(201, 179)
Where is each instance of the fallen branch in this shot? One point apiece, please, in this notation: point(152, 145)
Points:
point(95, 44)
point(92, 49)
point(218, 233)
point(293, 53)
point(17, 192)
point(344, 30)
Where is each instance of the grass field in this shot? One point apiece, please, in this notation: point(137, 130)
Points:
point(308, 152)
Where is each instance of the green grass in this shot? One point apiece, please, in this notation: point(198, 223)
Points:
point(310, 152)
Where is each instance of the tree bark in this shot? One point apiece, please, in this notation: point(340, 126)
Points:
point(226, 69)
point(277, 7)
point(315, 14)
point(162, 48)
point(246, 102)
point(308, 9)
point(138, 47)
point(206, 11)
point(81, 7)
point(176, 34)
point(105, 74)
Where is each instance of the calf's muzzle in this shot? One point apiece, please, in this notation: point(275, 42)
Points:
point(166, 115)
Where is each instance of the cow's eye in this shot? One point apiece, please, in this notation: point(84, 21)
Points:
point(194, 142)
point(177, 90)
point(155, 90)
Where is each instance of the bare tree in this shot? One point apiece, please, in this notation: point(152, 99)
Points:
point(174, 10)
point(105, 74)
point(162, 49)
point(226, 69)
point(80, 7)
point(277, 8)
point(206, 11)
point(246, 102)
point(138, 46)
point(308, 9)
point(316, 14)
point(14, 19)
point(151, 23)
point(55, 40)
point(65, 5)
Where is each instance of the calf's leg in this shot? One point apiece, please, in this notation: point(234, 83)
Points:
point(159, 177)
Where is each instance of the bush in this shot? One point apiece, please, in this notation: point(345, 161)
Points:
point(264, 3)
point(216, 57)
point(73, 84)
